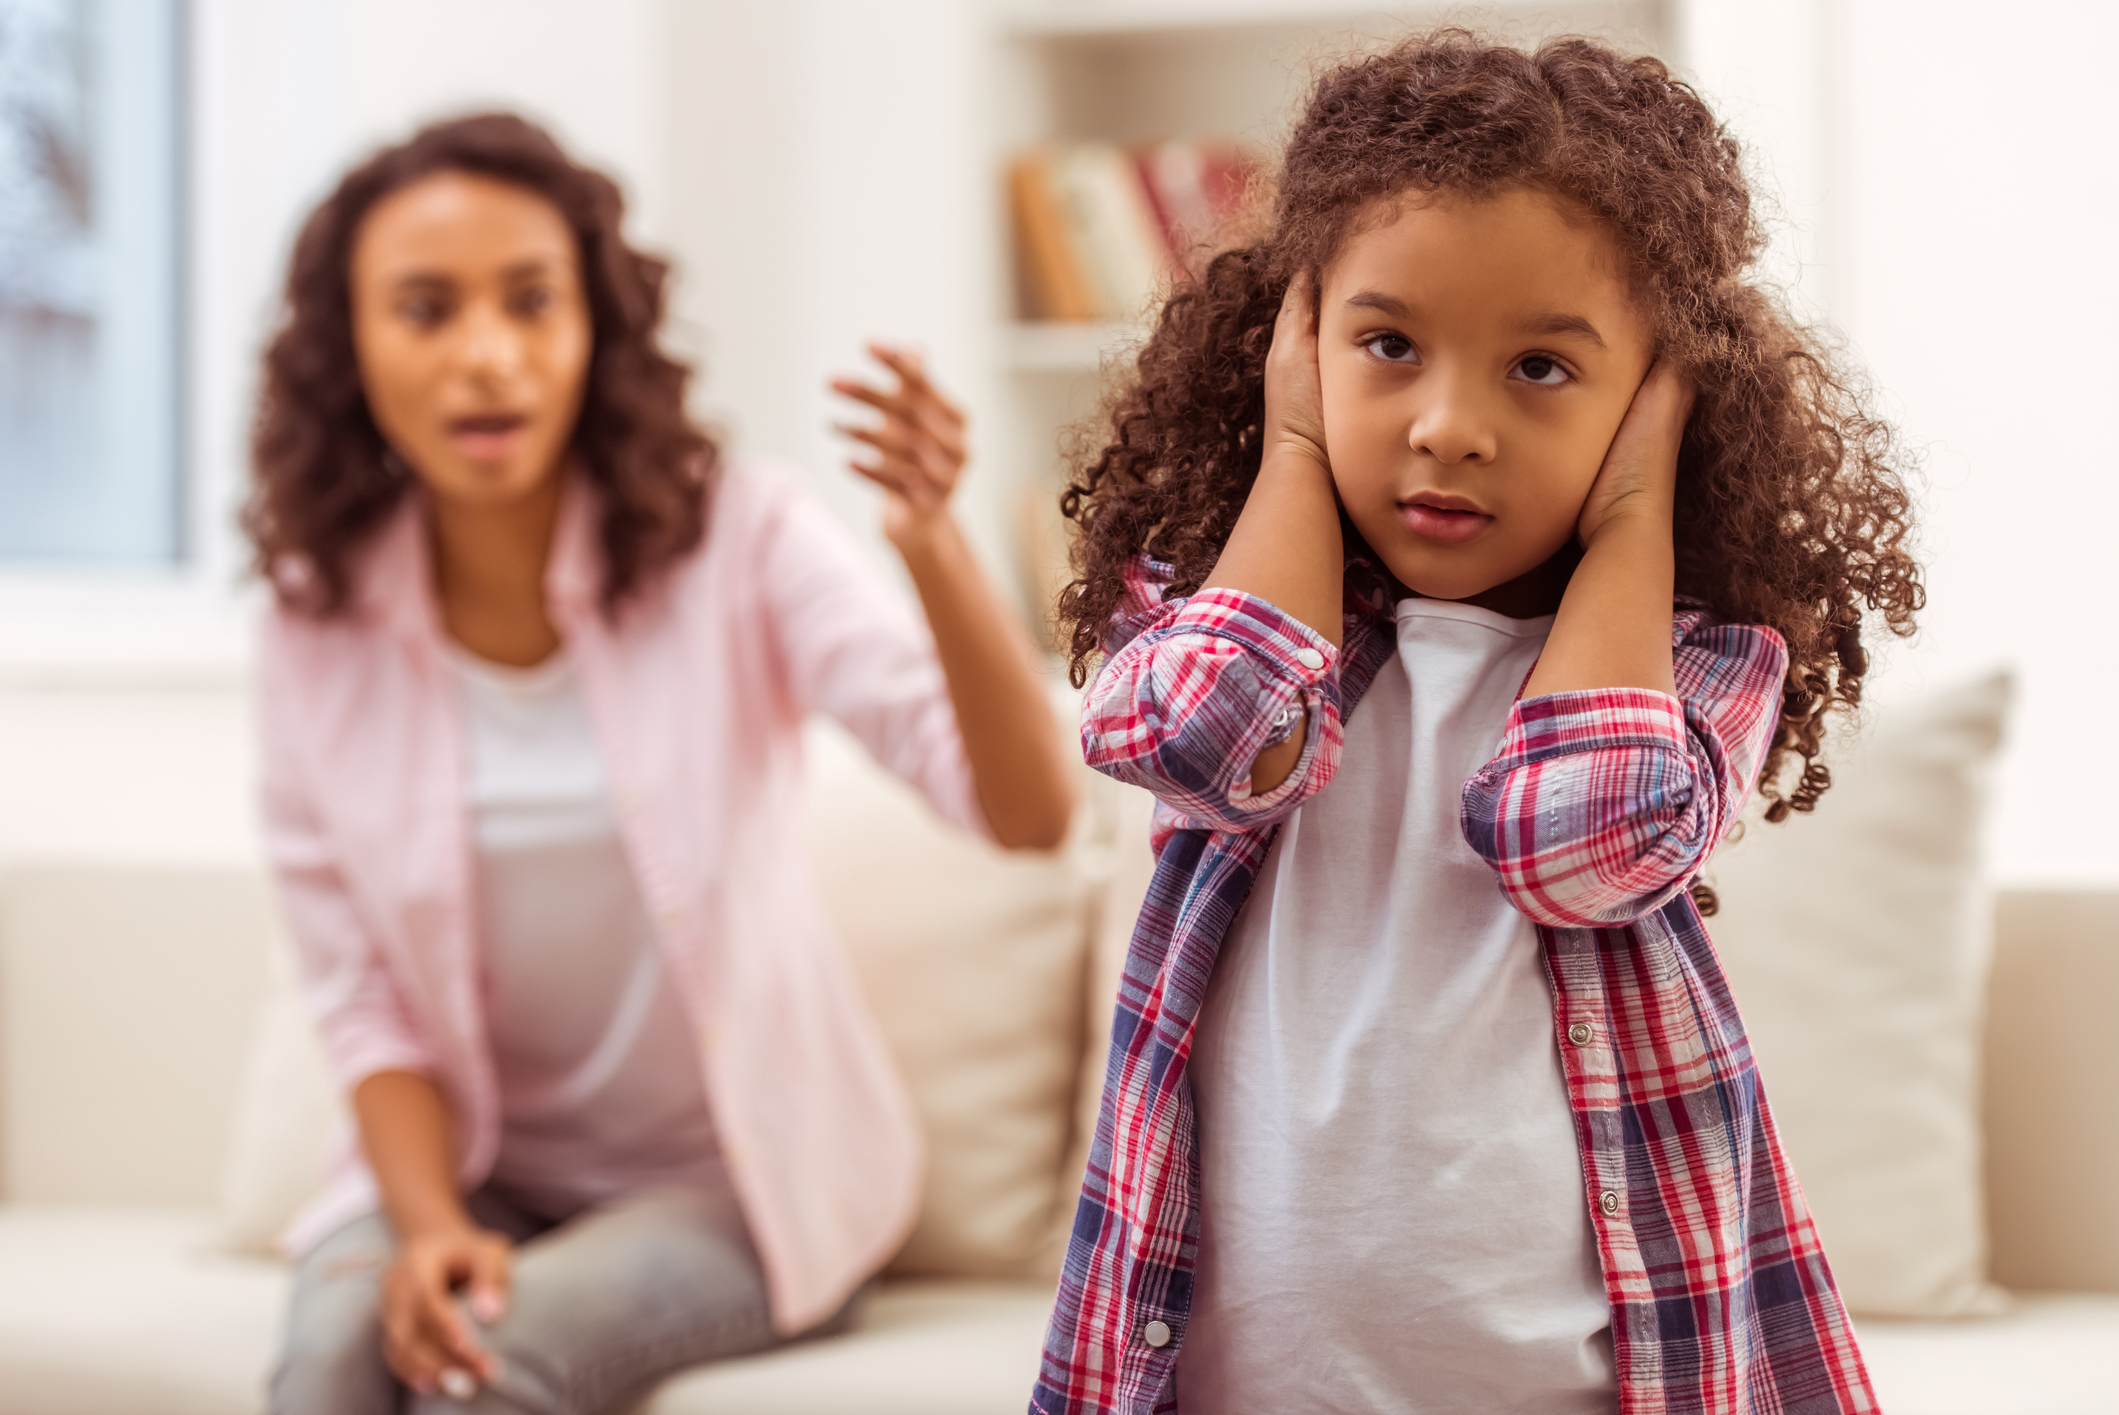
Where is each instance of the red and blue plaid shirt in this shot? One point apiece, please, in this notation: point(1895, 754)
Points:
point(1597, 812)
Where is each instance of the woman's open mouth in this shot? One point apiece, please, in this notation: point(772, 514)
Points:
point(487, 437)
point(1446, 520)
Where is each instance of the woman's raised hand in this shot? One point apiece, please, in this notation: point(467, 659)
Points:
point(1640, 472)
point(1294, 395)
point(916, 453)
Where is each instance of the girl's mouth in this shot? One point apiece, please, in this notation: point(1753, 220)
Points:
point(487, 437)
point(1446, 520)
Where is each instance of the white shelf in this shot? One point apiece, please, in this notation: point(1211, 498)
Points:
point(1055, 347)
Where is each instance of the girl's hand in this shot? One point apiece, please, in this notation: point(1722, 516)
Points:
point(1294, 395)
point(427, 1342)
point(1640, 471)
point(918, 448)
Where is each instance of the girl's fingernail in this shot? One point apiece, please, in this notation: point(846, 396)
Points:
point(458, 1384)
point(486, 1306)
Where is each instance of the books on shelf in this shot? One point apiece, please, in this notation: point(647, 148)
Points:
point(1099, 229)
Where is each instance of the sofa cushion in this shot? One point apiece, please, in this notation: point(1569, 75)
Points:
point(918, 1348)
point(125, 998)
point(2047, 1354)
point(108, 1310)
point(131, 1311)
point(973, 960)
point(1857, 940)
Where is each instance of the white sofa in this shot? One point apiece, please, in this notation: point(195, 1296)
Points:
point(136, 1003)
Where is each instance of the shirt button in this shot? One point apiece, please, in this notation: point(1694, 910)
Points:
point(1156, 1334)
point(1579, 1034)
point(1309, 658)
point(1608, 1201)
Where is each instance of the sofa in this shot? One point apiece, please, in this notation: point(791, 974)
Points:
point(162, 1109)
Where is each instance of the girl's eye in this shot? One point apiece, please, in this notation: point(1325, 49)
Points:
point(533, 301)
point(1543, 371)
point(1393, 348)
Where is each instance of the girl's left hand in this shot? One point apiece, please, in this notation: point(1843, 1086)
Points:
point(1640, 471)
point(917, 450)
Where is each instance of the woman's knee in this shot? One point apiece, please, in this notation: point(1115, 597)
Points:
point(331, 1352)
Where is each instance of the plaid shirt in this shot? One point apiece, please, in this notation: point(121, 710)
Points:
point(1595, 815)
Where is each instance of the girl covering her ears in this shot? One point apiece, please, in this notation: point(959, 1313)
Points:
point(1427, 1092)
point(531, 701)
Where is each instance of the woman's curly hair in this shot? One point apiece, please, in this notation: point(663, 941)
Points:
point(1791, 511)
point(325, 480)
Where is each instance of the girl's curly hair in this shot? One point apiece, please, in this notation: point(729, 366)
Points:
point(1791, 508)
point(324, 480)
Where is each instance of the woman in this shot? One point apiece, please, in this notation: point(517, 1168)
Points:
point(530, 700)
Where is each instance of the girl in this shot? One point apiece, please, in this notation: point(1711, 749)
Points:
point(531, 700)
point(1489, 437)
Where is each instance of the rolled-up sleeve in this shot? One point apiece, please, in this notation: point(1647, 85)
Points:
point(1601, 805)
point(1198, 689)
point(360, 1015)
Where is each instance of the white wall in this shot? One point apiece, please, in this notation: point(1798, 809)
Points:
point(1948, 160)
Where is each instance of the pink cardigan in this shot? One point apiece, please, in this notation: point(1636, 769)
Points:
point(697, 692)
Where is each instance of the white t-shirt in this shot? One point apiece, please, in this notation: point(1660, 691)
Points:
point(602, 1087)
point(1394, 1216)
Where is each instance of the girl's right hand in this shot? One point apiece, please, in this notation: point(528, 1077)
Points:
point(425, 1334)
point(1294, 395)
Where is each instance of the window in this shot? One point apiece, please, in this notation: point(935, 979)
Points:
point(90, 143)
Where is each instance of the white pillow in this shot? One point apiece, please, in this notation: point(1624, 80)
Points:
point(287, 1112)
point(1858, 940)
point(973, 959)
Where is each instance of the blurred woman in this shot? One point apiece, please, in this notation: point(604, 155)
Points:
point(531, 693)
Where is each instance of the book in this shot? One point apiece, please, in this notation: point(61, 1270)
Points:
point(1116, 234)
point(1199, 190)
point(1053, 283)
point(1101, 231)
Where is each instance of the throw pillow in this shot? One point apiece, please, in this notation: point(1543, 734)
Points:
point(1858, 940)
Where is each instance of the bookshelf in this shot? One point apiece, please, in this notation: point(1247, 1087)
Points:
point(1131, 72)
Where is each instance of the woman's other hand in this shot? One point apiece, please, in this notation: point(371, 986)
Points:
point(425, 1332)
point(916, 453)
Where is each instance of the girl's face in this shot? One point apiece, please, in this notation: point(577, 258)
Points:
point(1476, 357)
point(473, 334)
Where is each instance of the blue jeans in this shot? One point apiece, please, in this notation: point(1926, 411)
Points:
point(604, 1305)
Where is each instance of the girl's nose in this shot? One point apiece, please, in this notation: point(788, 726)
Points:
point(1449, 426)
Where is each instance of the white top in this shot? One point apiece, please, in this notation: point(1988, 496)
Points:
point(1394, 1216)
point(602, 1086)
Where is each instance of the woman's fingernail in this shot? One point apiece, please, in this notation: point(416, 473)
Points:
point(487, 1307)
point(458, 1384)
